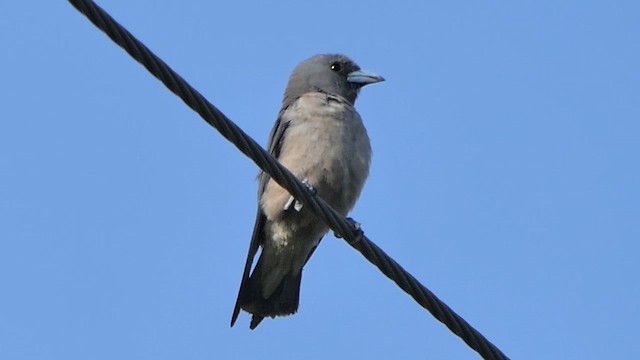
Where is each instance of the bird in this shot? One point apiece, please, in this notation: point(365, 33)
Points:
point(320, 137)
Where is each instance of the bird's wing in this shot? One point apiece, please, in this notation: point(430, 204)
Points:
point(276, 136)
point(274, 145)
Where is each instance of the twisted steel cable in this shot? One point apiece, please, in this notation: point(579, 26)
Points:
point(341, 226)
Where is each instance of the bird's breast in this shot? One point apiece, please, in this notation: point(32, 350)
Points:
point(327, 144)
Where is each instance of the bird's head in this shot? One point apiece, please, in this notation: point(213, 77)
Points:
point(331, 74)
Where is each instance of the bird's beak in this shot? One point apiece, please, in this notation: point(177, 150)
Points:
point(363, 78)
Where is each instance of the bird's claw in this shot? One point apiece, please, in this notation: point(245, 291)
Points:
point(287, 205)
point(297, 205)
point(357, 230)
point(306, 183)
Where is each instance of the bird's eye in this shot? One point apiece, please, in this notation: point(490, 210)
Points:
point(336, 66)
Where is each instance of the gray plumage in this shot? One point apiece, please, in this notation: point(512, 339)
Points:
point(320, 138)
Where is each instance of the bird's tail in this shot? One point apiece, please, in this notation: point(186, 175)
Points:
point(282, 301)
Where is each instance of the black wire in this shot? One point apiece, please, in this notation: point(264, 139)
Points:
point(282, 176)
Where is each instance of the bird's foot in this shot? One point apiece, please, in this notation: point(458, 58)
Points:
point(297, 205)
point(287, 205)
point(357, 230)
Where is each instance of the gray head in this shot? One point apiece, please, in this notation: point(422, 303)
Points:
point(331, 74)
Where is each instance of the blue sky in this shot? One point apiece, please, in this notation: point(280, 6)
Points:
point(505, 177)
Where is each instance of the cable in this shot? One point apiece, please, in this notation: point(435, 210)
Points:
point(341, 226)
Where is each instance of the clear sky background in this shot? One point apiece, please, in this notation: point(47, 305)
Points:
point(505, 177)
